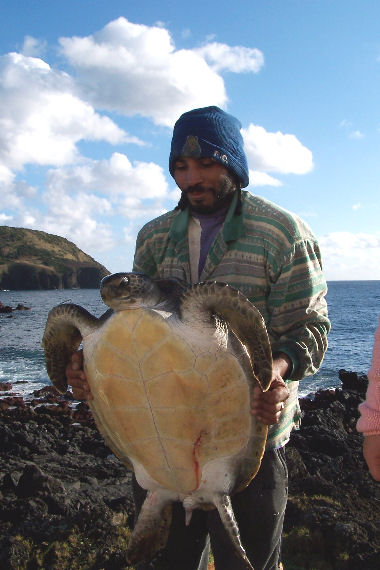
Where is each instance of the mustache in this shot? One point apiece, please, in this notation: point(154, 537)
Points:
point(226, 186)
point(198, 188)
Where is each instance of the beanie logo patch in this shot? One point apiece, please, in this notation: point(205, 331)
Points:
point(191, 148)
point(220, 157)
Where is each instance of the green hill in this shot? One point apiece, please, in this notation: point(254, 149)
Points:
point(31, 259)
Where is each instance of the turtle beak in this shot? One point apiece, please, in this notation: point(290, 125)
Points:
point(116, 279)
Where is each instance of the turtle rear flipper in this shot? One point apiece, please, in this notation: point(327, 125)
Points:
point(66, 325)
point(152, 528)
point(226, 513)
point(244, 319)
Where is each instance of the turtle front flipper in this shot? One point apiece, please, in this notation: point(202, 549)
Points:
point(66, 325)
point(152, 528)
point(244, 319)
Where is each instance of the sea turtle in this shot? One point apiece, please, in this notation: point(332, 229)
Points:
point(171, 370)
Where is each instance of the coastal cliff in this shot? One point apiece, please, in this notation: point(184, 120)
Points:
point(31, 259)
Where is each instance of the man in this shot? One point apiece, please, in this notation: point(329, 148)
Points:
point(217, 232)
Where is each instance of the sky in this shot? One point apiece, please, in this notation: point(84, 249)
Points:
point(90, 91)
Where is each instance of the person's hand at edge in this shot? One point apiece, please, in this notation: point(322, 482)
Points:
point(371, 452)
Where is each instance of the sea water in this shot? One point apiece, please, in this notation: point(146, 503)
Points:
point(21, 356)
point(354, 307)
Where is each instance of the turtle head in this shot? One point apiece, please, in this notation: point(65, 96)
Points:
point(122, 291)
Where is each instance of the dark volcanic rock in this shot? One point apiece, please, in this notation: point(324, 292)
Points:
point(353, 381)
point(5, 308)
point(66, 500)
point(333, 514)
point(21, 307)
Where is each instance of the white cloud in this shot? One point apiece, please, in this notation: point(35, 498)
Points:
point(237, 59)
point(6, 175)
point(136, 70)
point(136, 209)
point(357, 206)
point(348, 127)
point(78, 199)
point(114, 177)
point(41, 117)
point(33, 47)
point(356, 135)
point(257, 179)
point(175, 194)
point(130, 233)
point(276, 152)
point(4, 218)
point(350, 256)
point(14, 192)
point(75, 207)
point(74, 217)
point(345, 123)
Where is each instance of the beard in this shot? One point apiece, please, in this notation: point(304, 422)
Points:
point(223, 195)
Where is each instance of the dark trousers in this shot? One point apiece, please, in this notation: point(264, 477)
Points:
point(259, 511)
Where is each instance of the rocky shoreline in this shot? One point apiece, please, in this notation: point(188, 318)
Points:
point(8, 309)
point(65, 500)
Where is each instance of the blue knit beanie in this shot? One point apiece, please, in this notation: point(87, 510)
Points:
point(210, 132)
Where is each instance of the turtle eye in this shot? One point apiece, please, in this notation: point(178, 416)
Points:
point(125, 281)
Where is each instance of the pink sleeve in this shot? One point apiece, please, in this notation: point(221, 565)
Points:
point(369, 422)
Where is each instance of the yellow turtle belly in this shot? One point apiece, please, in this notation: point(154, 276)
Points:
point(166, 403)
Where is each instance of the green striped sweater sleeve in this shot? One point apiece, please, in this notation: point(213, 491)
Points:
point(298, 322)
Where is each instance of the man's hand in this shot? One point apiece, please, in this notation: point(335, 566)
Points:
point(267, 406)
point(77, 378)
point(371, 452)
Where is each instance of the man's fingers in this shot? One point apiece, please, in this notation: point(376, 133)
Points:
point(81, 390)
point(80, 394)
point(77, 360)
point(272, 397)
point(268, 406)
point(75, 364)
point(282, 394)
point(76, 377)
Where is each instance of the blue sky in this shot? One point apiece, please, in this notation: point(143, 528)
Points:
point(89, 91)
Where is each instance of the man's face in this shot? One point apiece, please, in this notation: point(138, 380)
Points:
point(201, 179)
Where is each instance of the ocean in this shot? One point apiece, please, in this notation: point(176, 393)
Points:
point(354, 307)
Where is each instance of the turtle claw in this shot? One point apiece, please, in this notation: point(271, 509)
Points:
point(189, 513)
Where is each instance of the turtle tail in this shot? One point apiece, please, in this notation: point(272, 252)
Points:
point(222, 502)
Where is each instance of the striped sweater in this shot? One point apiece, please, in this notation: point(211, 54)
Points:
point(273, 258)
